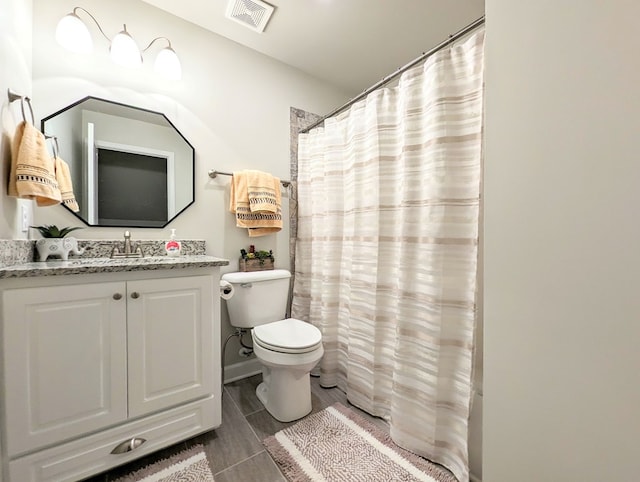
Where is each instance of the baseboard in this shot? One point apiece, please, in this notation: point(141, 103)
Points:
point(241, 370)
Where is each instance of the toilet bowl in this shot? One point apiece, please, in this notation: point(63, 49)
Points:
point(286, 348)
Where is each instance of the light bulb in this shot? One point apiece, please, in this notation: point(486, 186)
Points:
point(124, 50)
point(167, 64)
point(73, 34)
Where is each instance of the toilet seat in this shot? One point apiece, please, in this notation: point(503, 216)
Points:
point(288, 336)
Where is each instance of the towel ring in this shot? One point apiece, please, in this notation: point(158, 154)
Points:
point(13, 96)
point(54, 145)
point(24, 115)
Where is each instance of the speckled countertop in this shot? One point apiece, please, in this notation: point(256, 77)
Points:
point(56, 267)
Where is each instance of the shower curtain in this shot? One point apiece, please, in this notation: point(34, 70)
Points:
point(386, 254)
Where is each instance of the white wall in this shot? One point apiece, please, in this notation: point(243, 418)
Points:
point(15, 74)
point(562, 241)
point(232, 105)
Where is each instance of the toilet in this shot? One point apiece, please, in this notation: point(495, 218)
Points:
point(287, 348)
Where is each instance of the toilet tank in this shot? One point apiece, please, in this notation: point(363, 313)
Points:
point(259, 297)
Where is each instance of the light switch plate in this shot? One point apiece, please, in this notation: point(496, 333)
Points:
point(25, 219)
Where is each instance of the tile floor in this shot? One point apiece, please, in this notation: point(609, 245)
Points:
point(235, 449)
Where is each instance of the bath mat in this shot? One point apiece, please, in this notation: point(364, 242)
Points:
point(188, 465)
point(337, 444)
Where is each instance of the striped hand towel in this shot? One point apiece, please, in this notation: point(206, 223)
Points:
point(263, 190)
point(258, 223)
point(66, 187)
point(32, 174)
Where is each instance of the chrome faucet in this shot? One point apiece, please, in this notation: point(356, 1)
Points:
point(130, 250)
point(127, 242)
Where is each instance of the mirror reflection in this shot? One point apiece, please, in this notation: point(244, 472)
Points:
point(130, 167)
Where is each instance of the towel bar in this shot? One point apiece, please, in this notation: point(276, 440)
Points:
point(213, 174)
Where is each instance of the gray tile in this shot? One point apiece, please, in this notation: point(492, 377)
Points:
point(264, 425)
point(322, 398)
point(377, 421)
point(243, 393)
point(97, 478)
point(234, 450)
point(232, 442)
point(325, 397)
point(140, 463)
point(259, 468)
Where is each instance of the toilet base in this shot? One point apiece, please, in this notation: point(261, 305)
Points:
point(285, 390)
point(285, 394)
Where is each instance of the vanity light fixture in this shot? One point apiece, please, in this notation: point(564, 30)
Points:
point(167, 63)
point(72, 33)
point(124, 50)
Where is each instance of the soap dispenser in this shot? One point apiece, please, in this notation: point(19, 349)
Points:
point(173, 247)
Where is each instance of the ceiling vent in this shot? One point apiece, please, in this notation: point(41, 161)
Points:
point(253, 14)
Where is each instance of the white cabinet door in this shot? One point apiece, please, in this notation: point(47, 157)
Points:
point(66, 349)
point(170, 342)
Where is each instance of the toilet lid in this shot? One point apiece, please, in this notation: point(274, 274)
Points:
point(288, 336)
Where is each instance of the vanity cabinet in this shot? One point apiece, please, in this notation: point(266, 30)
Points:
point(91, 366)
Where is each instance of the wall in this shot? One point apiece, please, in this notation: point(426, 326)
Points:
point(15, 74)
point(232, 105)
point(562, 233)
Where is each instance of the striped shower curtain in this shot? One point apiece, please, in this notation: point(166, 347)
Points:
point(386, 254)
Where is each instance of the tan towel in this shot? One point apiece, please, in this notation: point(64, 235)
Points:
point(257, 223)
point(263, 190)
point(32, 173)
point(64, 183)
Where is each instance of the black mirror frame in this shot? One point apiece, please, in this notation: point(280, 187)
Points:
point(120, 104)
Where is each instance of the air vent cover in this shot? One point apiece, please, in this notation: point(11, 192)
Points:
point(253, 14)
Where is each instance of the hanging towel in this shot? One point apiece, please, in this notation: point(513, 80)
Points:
point(66, 187)
point(32, 173)
point(258, 223)
point(263, 190)
point(15, 145)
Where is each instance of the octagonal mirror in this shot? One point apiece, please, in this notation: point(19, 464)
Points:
point(130, 167)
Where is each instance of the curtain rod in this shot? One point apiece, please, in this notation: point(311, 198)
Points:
point(389, 78)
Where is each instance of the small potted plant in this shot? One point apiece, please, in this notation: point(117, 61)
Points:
point(54, 242)
point(256, 260)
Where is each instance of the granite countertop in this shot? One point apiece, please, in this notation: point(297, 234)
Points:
point(108, 265)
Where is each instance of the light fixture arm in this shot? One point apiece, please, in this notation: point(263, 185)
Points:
point(153, 41)
point(94, 19)
point(72, 33)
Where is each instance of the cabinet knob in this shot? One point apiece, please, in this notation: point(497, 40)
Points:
point(135, 295)
point(117, 296)
point(128, 445)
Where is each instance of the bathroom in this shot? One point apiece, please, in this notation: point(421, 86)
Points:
point(240, 93)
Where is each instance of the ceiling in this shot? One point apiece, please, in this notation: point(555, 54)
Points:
point(351, 44)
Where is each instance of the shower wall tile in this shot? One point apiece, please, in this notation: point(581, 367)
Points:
point(298, 119)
